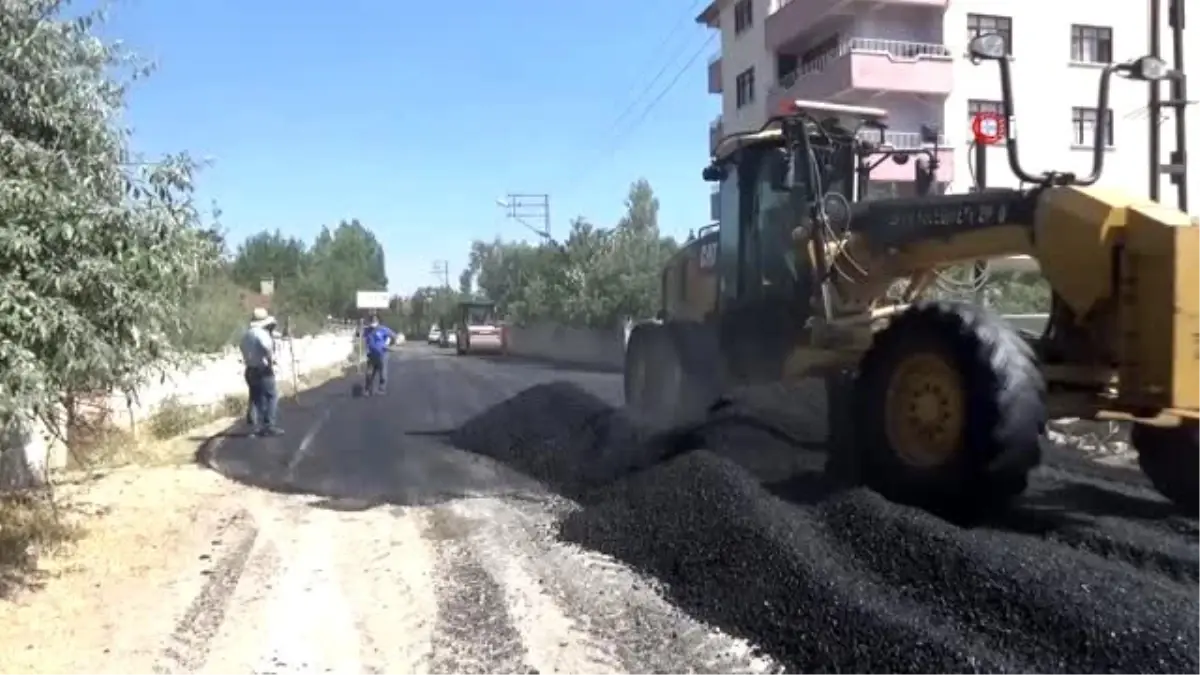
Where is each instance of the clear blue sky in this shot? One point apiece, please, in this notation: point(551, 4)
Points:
point(415, 116)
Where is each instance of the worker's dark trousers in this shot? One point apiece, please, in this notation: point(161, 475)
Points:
point(376, 368)
point(264, 397)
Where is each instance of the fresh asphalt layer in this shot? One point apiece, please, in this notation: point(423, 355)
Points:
point(490, 515)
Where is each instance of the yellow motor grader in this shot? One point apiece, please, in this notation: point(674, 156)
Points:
point(939, 404)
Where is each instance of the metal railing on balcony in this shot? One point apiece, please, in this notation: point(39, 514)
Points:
point(901, 140)
point(897, 50)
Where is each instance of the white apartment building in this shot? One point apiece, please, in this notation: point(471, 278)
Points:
point(910, 58)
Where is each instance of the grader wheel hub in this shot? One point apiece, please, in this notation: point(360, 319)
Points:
point(925, 410)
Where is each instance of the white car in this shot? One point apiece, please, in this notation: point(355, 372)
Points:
point(435, 336)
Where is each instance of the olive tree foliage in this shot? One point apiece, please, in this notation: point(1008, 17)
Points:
point(98, 249)
point(595, 277)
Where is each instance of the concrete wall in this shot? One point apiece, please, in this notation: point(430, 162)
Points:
point(217, 376)
point(28, 449)
point(606, 348)
point(587, 347)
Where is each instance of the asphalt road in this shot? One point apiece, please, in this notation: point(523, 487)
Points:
point(472, 521)
point(389, 550)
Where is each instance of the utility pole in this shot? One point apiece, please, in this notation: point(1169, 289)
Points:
point(441, 270)
point(1176, 167)
point(529, 208)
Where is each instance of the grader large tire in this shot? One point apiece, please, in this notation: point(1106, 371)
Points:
point(951, 407)
point(1170, 458)
point(649, 374)
point(668, 373)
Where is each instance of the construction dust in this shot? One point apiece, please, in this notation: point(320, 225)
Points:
point(747, 534)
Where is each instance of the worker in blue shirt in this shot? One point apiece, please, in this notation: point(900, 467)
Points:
point(377, 338)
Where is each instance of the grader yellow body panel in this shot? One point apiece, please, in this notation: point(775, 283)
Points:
point(1159, 359)
point(689, 279)
point(1076, 230)
point(817, 278)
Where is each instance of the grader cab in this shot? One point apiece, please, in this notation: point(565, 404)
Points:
point(935, 403)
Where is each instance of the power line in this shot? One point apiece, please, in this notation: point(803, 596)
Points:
point(671, 84)
point(616, 144)
point(663, 70)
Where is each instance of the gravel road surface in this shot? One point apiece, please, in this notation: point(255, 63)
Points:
point(501, 516)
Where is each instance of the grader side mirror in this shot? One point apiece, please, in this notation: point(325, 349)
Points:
point(714, 173)
point(987, 47)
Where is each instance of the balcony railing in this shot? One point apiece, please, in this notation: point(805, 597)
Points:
point(897, 50)
point(781, 5)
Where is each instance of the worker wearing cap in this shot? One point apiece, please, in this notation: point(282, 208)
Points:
point(258, 355)
point(377, 338)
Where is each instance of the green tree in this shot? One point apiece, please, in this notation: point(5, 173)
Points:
point(99, 247)
point(595, 277)
point(269, 255)
point(341, 261)
point(465, 279)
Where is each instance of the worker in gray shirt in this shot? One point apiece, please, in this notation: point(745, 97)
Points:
point(258, 355)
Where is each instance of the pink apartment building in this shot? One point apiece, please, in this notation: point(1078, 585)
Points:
point(883, 53)
point(909, 57)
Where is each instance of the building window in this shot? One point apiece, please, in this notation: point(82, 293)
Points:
point(1084, 120)
point(745, 88)
point(785, 66)
point(983, 24)
point(1091, 44)
point(743, 16)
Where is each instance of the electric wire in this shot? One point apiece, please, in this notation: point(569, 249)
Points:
point(662, 70)
point(613, 135)
point(617, 141)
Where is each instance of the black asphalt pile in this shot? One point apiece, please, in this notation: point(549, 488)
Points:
point(828, 580)
point(574, 442)
point(559, 434)
point(738, 519)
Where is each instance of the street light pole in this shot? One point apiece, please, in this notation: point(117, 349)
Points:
point(524, 208)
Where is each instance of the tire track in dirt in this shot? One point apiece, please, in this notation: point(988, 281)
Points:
point(391, 588)
point(581, 612)
point(554, 641)
point(188, 644)
point(474, 632)
point(311, 623)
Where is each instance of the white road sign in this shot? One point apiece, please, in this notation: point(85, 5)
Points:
point(372, 300)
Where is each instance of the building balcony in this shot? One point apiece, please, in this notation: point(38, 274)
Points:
point(864, 67)
point(716, 131)
point(889, 170)
point(796, 18)
point(714, 75)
